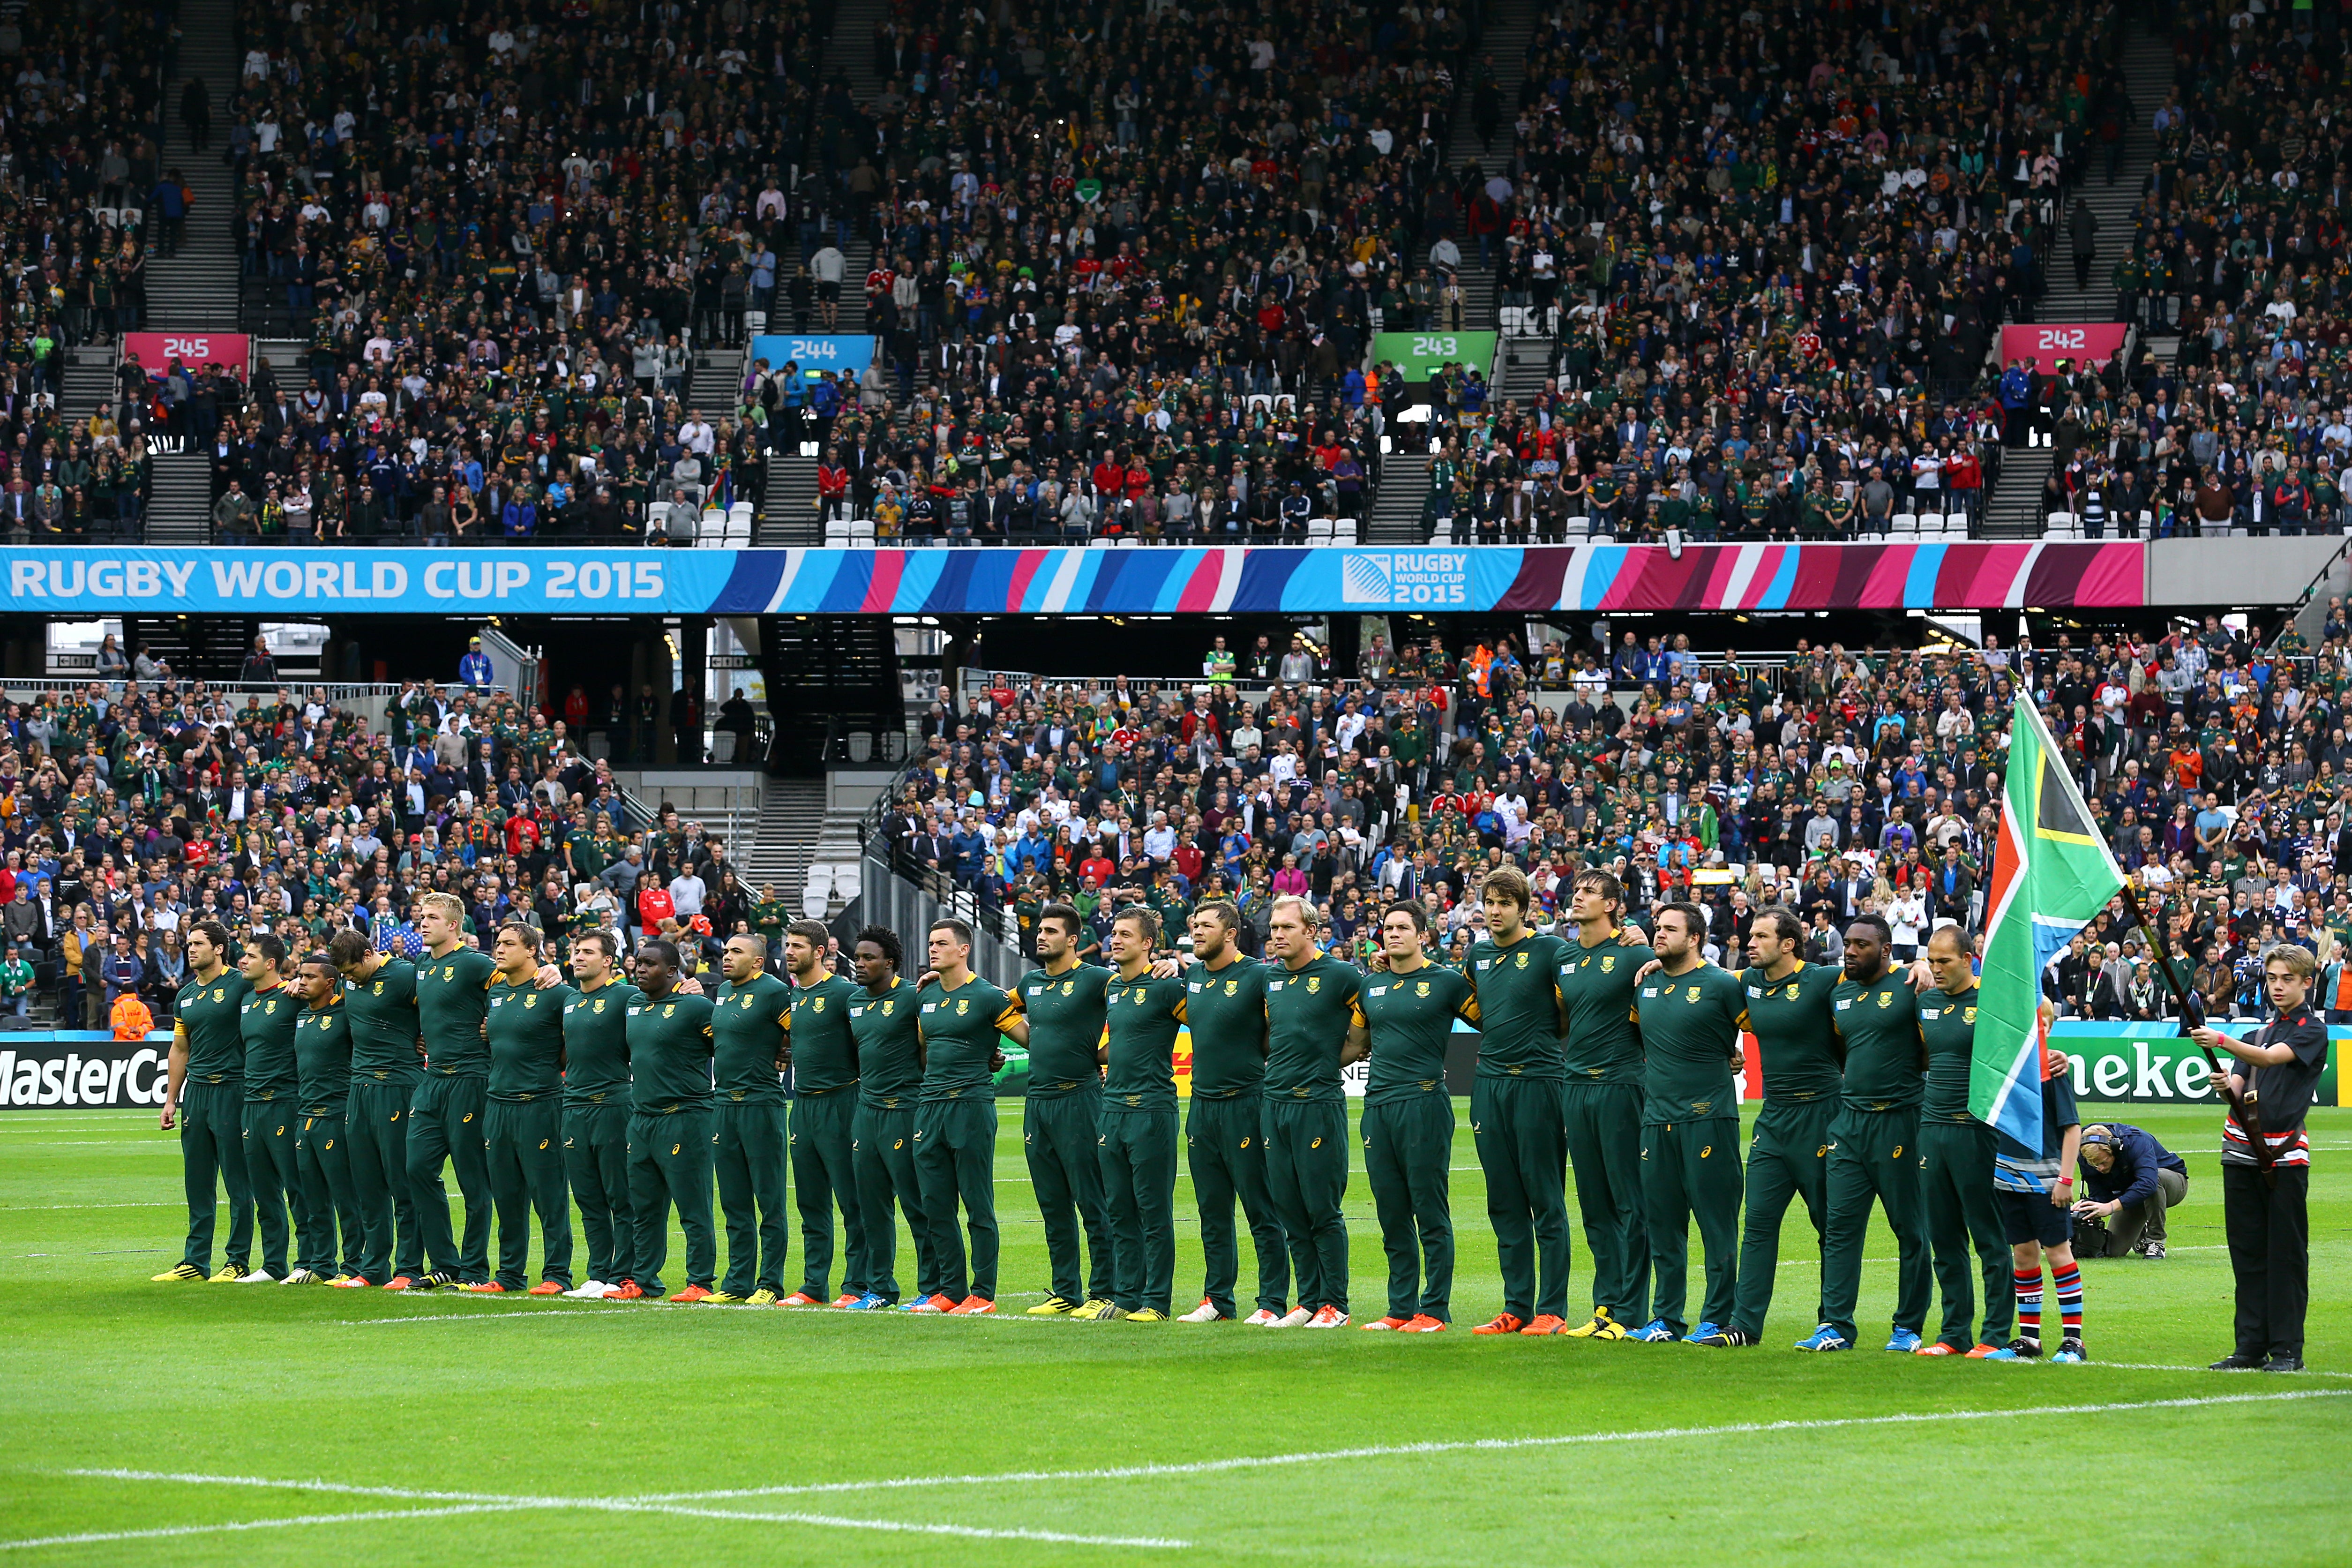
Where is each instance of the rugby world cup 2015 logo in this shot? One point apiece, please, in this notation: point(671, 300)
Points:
point(1404, 578)
point(1367, 579)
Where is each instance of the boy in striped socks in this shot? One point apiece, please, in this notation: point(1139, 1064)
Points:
point(2035, 1190)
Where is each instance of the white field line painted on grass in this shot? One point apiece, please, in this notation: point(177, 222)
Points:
point(1486, 1445)
point(682, 1507)
point(164, 1533)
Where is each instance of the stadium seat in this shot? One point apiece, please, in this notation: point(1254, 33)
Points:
point(848, 880)
point(1907, 523)
point(816, 893)
point(1343, 531)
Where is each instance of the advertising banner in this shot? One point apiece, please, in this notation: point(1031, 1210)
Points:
point(1060, 581)
point(156, 351)
point(1423, 354)
point(844, 353)
point(2045, 344)
point(75, 1070)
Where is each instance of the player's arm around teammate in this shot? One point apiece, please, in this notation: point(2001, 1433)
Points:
point(203, 1096)
point(1224, 1142)
point(669, 1126)
point(962, 1016)
point(824, 1121)
point(889, 1078)
point(1136, 1141)
point(331, 1231)
point(1955, 1164)
point(751, 1045)
point(387, 1056)
point(1064, 1002)
point(1692, 1014)
point(1314, 1026)
point(1603, 1103)
point(522, 1120)
point(1409, 1005)
point(597, 1111)
point(445, 1121)
point(265, 1020)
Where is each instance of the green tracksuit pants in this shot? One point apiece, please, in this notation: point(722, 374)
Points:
point(1519, 1125)
point(1137, 1148)
point(955, 1160)
point(269, 1133)
point(1788, 1157)
point(330, 1232)
point(669, 1163)
point(1307, 1177)
point(1058, 1133)
point(1603, 1122)
point(1875, 1159)
point(1955, 1181)
point(825, 1177)
point(1691, 1170)
point(212, 1156)
point(747, 1154)
point(1225, 1145)
point(375, 1119)
point(596, 1169)
point(524, 1147)
point(444, 1126)
point(1408, 1148)
point(884, 1145)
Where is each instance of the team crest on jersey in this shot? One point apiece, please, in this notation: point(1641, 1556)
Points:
point(1233, 987)
point(817, 1005)
point(888, 1005)
point(1886, 998)
point(1523, 960)
point(599, 1006)
point(1421, 988)
point(379, 987)
point(963, 1004)
point(270, 1006)
point(668, 1009)
point(1967, 1015)
point(531, 1000)
point(1608, 963)
point(746, 1002)
point(1314, 984)
point(1691, 994)
point(449, 972)
point(1069, 987)
point(220, 994)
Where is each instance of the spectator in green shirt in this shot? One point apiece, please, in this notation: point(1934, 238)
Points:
point(16, 983)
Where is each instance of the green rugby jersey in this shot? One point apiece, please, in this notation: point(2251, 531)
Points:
point(1796, 1036)
point(889, 1044)
point(1225, 1008)
point(959, 1034)
point(323, 1057)
point(1309, 1011)
point(264, 1022)
point(453, 998)
point(1880, 1025)
point(1067, 1012)
point(669, 1053)
point(1948, 1024)
point(526, 1043)
point(596, 1042)
point(205, 1015)
point(1518, 988)
point(748, 1024)
point(384, 1026)
point(1604, 1044)
point(1145, 1017)
point(1410, 1018)
point(1690, 1043)
point(825, 1045)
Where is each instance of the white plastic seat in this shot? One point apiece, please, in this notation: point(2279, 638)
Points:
point(738, 533)
point(848, 880)
point(816, 893)
point(1343, 531)
point(1098, 542)
point(1907, 523)
point(1126, 542)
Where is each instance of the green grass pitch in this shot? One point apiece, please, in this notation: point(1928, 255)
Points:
point(156, 1424)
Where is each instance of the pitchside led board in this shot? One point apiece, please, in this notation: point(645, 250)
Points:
point(844, 353)
point(1423, 354)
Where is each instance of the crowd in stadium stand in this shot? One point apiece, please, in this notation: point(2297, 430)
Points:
point(133, 806)
point(83, 190)
point(1837, 782)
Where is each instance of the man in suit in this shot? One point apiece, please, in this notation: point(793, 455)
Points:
point(1952, 887)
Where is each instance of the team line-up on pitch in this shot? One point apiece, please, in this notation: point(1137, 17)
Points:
point(336, 1085)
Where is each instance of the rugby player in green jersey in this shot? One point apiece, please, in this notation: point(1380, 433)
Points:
point(1789, 1011)
point(266, 1022)
point(1136, 1136)
point(882, 1016)
point(1064, 1002)
point(955, 1133)
point(597, 1111)
point(387, 1054)
point(669, 1126)
point(1224, 1144)
point(1517, 1109)
point(823, 1139)
point(523, 1121)
point(445, 1120)
point(322, 1057)
point(752, 1046)
point(1956, 1156)
point(1603, 1103)
point(1875, 1142)
point(203, 1096)
point(1691, 1014)
point(1409, 1005)
point(1315, 1027)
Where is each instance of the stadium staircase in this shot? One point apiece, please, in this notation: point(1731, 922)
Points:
point(195, 289)
point(785, 837)
point(88, 382)
point(833, 687)
point(1522, 367)
point(1397, 511)
point(2015, 510)
point(714, 382)
point(787, 513)
point(198, 647)
point(1509, 25)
